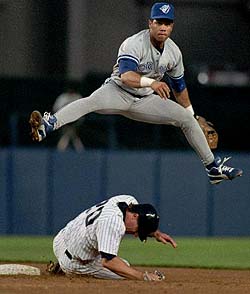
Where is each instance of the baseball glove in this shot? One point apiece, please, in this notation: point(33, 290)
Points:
point(209, 131)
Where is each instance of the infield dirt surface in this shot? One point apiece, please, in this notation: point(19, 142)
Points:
point(178, 281)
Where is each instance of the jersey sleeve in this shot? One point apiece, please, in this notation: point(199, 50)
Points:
point(130, 50)
point(178, 84)
point(109, 234)
point(127, 65)
point(177, 70)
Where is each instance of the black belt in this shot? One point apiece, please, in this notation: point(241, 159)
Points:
point(68, 254)
point(83, 262)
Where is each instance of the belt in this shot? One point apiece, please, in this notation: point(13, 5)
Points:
point(69, 255)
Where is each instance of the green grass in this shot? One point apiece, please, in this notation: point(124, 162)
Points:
point(231, 253)
point(34, 249)
point(191, 252)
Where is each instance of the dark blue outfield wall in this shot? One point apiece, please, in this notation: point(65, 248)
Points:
point(42, 189)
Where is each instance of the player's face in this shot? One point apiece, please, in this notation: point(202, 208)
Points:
point(160, 29)
point(131, 223)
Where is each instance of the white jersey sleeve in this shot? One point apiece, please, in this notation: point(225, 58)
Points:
point(111, 227)
point(109, 234)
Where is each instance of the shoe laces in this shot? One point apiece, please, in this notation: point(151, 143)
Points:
point(46, 116)
point(223, 167)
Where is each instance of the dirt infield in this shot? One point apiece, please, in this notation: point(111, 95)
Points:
point(178, 281)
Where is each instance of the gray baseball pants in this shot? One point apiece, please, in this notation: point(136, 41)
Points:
point(111, 99)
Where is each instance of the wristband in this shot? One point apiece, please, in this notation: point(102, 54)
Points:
point(146, 82)
point(190, 108)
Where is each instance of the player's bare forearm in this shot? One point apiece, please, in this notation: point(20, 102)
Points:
point(131, 79)
point(118, 266)
point(182, 97)
point(134, 80)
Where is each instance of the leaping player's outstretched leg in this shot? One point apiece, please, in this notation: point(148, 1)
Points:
point(108, 98)
point(216, 169)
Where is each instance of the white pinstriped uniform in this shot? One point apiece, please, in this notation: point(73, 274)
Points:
point(99, 228)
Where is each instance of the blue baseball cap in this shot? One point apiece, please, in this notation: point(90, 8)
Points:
point(162, 10)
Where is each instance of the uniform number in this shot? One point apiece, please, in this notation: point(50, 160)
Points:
point(95, 214)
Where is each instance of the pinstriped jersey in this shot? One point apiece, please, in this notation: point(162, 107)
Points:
point(99, 228)
point(150, 62)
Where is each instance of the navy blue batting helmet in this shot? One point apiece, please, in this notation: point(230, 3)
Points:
point(148, 221)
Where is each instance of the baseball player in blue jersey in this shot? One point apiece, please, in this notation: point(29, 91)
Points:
point(135, 90)
point(89, 244)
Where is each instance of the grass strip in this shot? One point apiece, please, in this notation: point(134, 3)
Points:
point(224, 253)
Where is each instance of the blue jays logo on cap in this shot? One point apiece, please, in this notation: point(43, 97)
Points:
point(165, 8)
point(162, 10)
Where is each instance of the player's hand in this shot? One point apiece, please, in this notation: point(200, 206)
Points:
point(161, 89)
point(155, 276)
point(164, 238)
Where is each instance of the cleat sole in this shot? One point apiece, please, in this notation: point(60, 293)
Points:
point(238, 174)
point(222, 178)
point(35, 122)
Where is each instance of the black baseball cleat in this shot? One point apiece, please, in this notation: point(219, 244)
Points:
point(54, 268)
point(222, 172)
point(41, 126)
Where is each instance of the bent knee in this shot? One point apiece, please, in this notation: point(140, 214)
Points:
point(187, 120)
